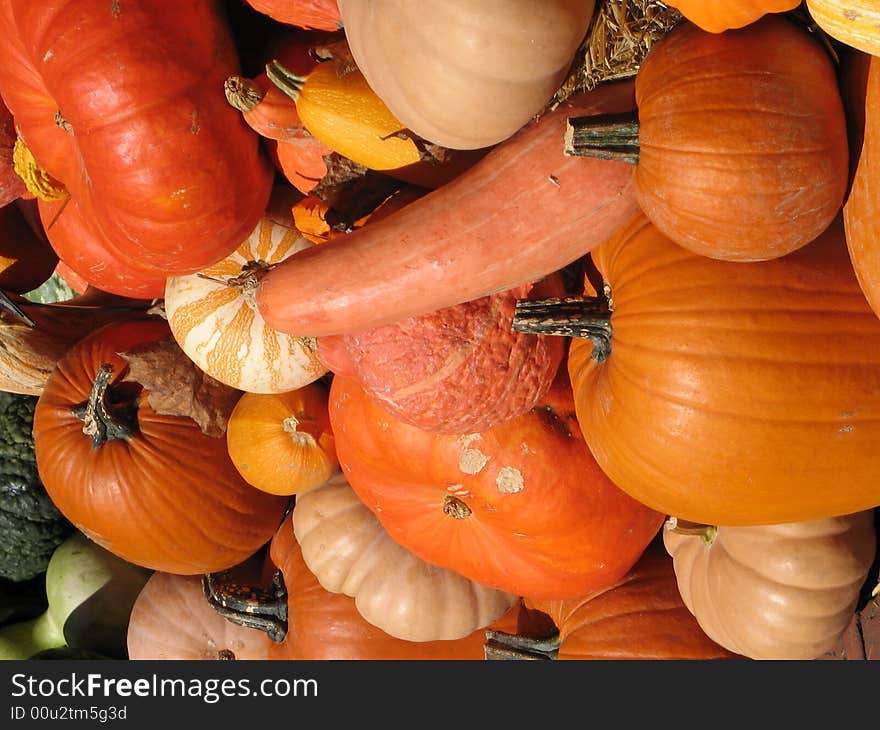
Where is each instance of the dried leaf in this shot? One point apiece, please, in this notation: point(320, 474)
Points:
point(176, 386)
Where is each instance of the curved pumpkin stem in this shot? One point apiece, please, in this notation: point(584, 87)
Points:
point(242, 94)
point(605, 136)
point(502, 646)
point(104, 420)
point(249, 606)
point(586, 317)
point(707, 533)
point(286, 80)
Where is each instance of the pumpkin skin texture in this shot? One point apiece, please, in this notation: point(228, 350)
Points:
point(861, 214)
point(156, 159)
point(430, 254)
point(349, 552)
point(785, 591)
point(11, 185)
point(324, 625)
point(281, 443)
point(171, 620)
point(461, 369)
point(717, 16)
point(167, 499)
point(748, 180)
point(733, 393)
point(498, 65)
point(853, 22)
point(495, 506)
point(310, 14)
point(641, 617)
point(215, 321)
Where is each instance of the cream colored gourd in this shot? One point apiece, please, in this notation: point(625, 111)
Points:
point(349, 552)
point(853, 22)
point(215, 321)
point(461, 74)
point(779, 592)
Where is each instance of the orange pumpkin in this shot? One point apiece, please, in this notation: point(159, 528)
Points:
point(717, 16)
point(522, 507)
point(281, 443)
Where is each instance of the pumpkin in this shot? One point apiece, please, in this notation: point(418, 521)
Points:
point(461, 369)
point(348, 551)
point(729, 393)
point(853, 22)
point(11, 185)
point(432, 254)
point(213, 316)
point(640, 617)
point(26, 259)
point(496, 506)
point(171, 620)
point(148, 479)
point(739, 140)
point(326, 626)
point(118, 103)
point(310, 14)
point(717, 16)
point(281, 443)
point(784, 591)
point(499, 64)
point(860, 214)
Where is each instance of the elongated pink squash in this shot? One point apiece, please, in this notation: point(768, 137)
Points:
point(522, 212)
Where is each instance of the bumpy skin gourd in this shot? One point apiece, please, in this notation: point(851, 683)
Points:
point(460, 74)
point(785, 591)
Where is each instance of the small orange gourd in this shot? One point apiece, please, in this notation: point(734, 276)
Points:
point(717, 16)
point(281, 443)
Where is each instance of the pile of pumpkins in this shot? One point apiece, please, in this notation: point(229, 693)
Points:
point(442, 364)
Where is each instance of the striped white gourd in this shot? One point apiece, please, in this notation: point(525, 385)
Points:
point(215, 321)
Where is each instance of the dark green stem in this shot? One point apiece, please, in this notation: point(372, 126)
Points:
point(605, 136)
point(585, 317)
point(286, 80)
point(500, 645)
point(707, 533)
point(104, 420)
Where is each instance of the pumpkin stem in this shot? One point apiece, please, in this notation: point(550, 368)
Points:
point(242, 94)
point(249, 606)
point(103, 419)
point(500, 645)
point(456, 509)
point(586, 317)
point(287, 81)
point(248, 280)
point(707, 533)
point(605, 136)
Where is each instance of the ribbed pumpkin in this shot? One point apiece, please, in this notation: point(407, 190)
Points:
point(214, 319)
point(522, 507)
point(853, 22)
point(324, 625)
point(311, 14)
point(281, 443)
point(171, 620)
point(717, 16)
point(641, 617)
point(118, 102)
point(349, 552)
point(152, 488)
point(785, 591)
point(861, 214)
point(732, 393)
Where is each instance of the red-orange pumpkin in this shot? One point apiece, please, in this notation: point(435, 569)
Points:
point(26, 260)
point(11, 185)
point(153, 489)
point(522, 507)
point(310, 14)
point(118, 102)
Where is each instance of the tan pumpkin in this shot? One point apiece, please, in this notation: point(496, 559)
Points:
point(216, 323)
point(498, 65)
point(348, 550)
point(784, 591)
point(172, 620)
point(282, 443)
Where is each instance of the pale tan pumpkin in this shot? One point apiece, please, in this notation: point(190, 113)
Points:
point(348, 551)
point(215, 321)
point(784, 591)
point(171, 619)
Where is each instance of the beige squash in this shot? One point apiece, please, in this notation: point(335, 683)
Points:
point(347, 549)
point(784, 591)
point(215, 321)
